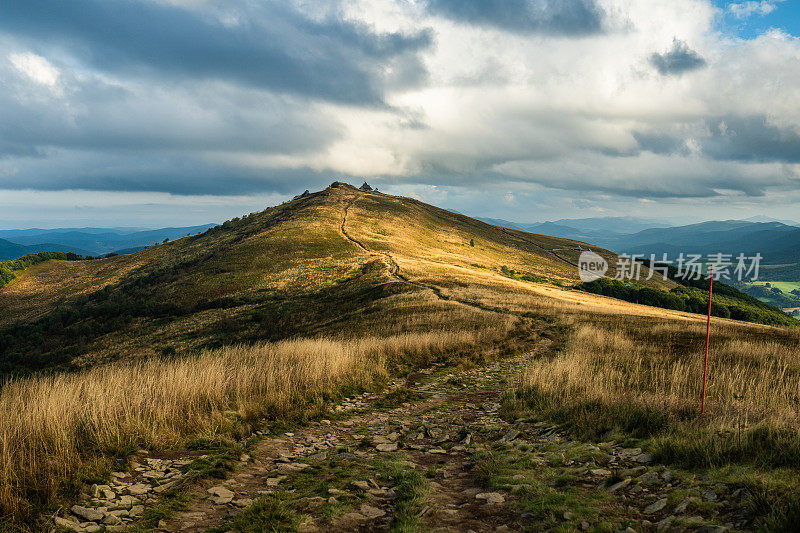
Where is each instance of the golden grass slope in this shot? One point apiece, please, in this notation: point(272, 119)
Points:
point(248, 277)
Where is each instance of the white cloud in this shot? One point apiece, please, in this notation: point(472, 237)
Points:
point(743, 10)
point(35, 67)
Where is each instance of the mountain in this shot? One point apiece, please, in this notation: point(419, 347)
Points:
point(762, 218)
point(339, 261)
point(12, 250)
point(777, 242)
point(606, 225)
point(96, 241)
point(725, 236)
point(328, 262)
point(583, 229)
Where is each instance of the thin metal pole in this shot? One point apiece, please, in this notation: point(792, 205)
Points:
point(708, 338)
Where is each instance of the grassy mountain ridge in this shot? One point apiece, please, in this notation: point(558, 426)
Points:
point(335, 261)
point(285, 271)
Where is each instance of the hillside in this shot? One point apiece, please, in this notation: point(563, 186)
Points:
point(335, 260)
point(319, 263)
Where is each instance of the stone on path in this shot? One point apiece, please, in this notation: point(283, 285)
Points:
point(220, 495)
point(274, 481)
point(621, 485)
point(490, 497)
point(87, 513)
point(655, 506)
point(371, 512)
point(139, 489)
point(69, 524)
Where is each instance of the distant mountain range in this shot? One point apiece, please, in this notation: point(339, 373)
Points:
point(87, 241)
point(583, 229)
point(777, 241)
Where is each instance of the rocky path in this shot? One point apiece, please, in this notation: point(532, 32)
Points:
point(430, 454)
point(342, 474)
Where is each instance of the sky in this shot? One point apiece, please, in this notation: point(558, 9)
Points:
point(150, 113)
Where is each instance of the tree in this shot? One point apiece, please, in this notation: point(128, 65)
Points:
point(472, 242)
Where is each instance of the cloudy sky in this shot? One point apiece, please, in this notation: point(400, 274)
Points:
point(156, 112)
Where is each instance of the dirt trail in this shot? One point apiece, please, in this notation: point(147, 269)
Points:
point(393, 267)
point(436, 435)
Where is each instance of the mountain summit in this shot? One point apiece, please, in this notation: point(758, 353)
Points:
point(309, 265)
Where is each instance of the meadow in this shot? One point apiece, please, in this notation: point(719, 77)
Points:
point(62, 429)
point(639, 381)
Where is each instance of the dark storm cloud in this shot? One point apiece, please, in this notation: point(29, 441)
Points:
point(158, 173)
point(187, 119)
point(268, 46)
point(552, 17)
point(677, 60)
point(736, 138)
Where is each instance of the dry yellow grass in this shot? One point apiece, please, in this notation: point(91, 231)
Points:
point(52, 427)
point(752, 373)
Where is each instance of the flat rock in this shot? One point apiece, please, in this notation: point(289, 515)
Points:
point(220, 495)
point(621, 485)
point(139, 489)
point(362, 485)
point(292, 467)
point(387, 447)
point(655, 506)
point(69, 524)
point(644, 458)
point(490, 497)
point(87, 513)
point(650, 478)
point(371, 512)
point(681, 507)
point(630, 452)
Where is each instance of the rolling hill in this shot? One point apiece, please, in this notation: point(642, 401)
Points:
point(12, 250)
point(330, 261)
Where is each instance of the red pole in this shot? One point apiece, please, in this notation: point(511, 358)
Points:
point(708, 337)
